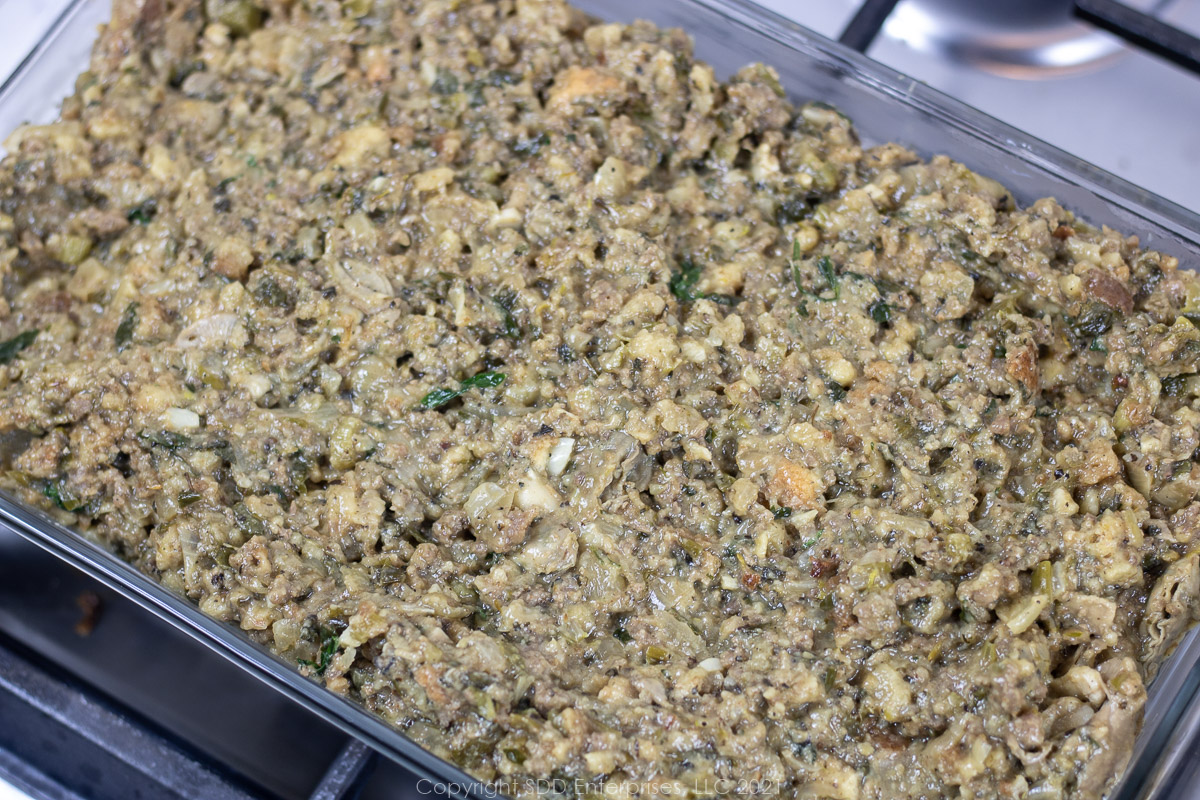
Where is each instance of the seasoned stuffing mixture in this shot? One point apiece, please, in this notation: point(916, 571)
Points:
point(591, 419)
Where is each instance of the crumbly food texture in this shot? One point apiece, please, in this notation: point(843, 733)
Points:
point(591, 419)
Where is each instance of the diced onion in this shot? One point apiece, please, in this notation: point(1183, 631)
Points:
point(536, 494)
point(483, 498)
point(181, 419)
point(559, 456)
point(216, 329)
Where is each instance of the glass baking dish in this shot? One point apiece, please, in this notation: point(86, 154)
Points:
point(886, 106)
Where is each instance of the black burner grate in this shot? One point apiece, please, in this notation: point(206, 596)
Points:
point(1135, 27)
point(63, 740)
point(1142, 30)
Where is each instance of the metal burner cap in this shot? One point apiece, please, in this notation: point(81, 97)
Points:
point(1015, 38)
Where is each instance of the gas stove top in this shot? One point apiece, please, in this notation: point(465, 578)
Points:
point(1127, 112)
point(100, 699)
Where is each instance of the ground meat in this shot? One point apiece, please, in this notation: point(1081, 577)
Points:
point(588, 418)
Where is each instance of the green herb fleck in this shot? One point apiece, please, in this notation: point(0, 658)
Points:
point(793, 209)
point(166, 439)
point(58, 494)
point(270, 293)
point(189, 498)
point(682, 281)
point(782, 512)
point(10, 347)
point(439, 397)
point(329, 648)
point(836, 392)
point(509, 327)
point(805, 751)
point(880, 311)
point(1176, 385)
point(683, 284)
point(142, 213)
point(502, 77)
point(249, 522)
point(298, 470)
point(127, 326)
point(828, 274)
point(531, 147)
point(1095, 320)
point(483, 380)
point(445, 82)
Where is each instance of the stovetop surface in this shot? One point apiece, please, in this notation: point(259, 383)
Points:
point(1136, 117)
point(121, 658)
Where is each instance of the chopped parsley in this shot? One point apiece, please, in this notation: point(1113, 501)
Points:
point(683, 284)
point(444, 82)
point(10, 347)
point(60, 496)
point(329, 648)
point(686, 278)
point(269, 292)
point(249, 522)
point(165, 439)
point(828, 274)
point(1176, 385)
point(880, 311)
point(483, 380)
point(505, 301)
point(142, 213)
point(127, 326)
point(531, 147)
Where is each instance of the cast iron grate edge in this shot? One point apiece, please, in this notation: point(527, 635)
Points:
point(64, 740)
point(1134, 27)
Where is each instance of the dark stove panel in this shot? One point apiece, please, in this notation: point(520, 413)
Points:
point(100, 699)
